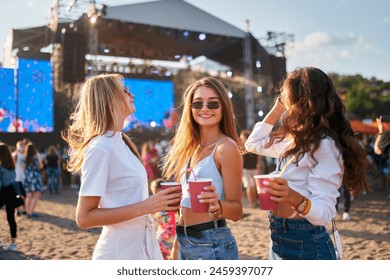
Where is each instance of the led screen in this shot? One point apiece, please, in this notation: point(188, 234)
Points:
point(153, 102)
point(7, 100)
point(35, 96)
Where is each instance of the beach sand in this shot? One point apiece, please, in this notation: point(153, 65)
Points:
point(54, 235)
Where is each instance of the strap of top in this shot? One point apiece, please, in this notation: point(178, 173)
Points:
point(188, 167)
point(216, 145)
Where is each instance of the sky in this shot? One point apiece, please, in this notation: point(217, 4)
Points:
point(347, 37)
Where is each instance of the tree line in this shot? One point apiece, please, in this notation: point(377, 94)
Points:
point(364, 98)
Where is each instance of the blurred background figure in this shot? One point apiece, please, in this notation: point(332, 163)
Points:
point(166, 223)
point(7, 192)
point(18, 156)
point(75, 181)
point(251, 167)
point(33, 179)
point(52, 165)
point(150, 157)
point(382, 148)
point(345, 196)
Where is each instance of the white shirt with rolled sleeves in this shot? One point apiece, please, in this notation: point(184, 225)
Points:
point(318, 182)
point(112, 172)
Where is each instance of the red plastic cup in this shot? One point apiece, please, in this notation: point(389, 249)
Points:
point(165, 185)
point(196, 187)
point(262, 191)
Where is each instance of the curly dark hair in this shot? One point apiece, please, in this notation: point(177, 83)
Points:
point(316, 111)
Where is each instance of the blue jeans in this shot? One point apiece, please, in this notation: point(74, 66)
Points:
point(52, 179)
point(298, 239)
point(214, 244)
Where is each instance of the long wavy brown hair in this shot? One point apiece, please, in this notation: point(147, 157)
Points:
point(187, 136)
point(29, 153)
point(316, 111)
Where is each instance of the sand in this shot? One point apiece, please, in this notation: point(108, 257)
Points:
point(54, 235)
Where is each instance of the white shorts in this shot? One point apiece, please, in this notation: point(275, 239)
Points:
point(248, 177)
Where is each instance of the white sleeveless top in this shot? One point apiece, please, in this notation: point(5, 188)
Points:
point(206, 168)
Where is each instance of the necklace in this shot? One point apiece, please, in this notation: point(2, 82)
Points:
point(201, 147)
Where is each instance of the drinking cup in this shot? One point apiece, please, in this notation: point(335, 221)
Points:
point(165, 185)
point(196, 187)
point(262, 191)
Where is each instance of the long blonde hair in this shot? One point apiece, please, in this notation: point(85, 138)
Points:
point(187, 136)
point(99, 100)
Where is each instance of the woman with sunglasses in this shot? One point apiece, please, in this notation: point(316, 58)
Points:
point(317, 138)
point(207, 144)
point(114, 185)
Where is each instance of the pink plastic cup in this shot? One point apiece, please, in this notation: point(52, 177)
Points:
point(262, 191)
point(165, 185)
point(196, 187)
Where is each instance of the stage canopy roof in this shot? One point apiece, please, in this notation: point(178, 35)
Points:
point(160, 30)
point(175, 14)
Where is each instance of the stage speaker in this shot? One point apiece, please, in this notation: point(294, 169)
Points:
point(74, 47)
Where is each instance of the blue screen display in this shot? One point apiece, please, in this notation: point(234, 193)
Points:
point(27, 106)
point(7, 100)
point(153, 102)
point(35, 95)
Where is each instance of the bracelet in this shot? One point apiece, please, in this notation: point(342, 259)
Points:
point(220, 205)
point(380, 133)
point(307, 209)
point(302, 207)
point(214, 213)
point(303, 200)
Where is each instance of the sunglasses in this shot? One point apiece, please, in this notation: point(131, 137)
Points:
point(211, 105)
point(127, 90)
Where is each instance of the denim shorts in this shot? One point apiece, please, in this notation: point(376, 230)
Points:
point(298, 239)
point(214, 244)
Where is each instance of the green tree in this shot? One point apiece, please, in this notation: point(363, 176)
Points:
point(358, 100)
point(365, 98)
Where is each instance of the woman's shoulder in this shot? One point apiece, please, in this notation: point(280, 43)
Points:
point(227, 142)
point(227, 146)
point(6, 170)
point(102, 142)
point(328, 142)
point(328, 146)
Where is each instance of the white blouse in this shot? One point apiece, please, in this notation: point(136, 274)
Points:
point(112, 172)
point(318, 182)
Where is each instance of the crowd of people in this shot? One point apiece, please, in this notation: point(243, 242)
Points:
point(306, 134)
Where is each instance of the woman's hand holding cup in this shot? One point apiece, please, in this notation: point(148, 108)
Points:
point(162, 200)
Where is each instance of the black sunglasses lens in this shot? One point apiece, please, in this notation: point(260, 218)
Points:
point(210, 105)
point(213, 105)
point(197, 105)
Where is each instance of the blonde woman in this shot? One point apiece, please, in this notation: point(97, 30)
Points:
point(206, 141)
point(114, 186)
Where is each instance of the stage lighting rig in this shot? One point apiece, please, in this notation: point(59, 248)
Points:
point(278, 43)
